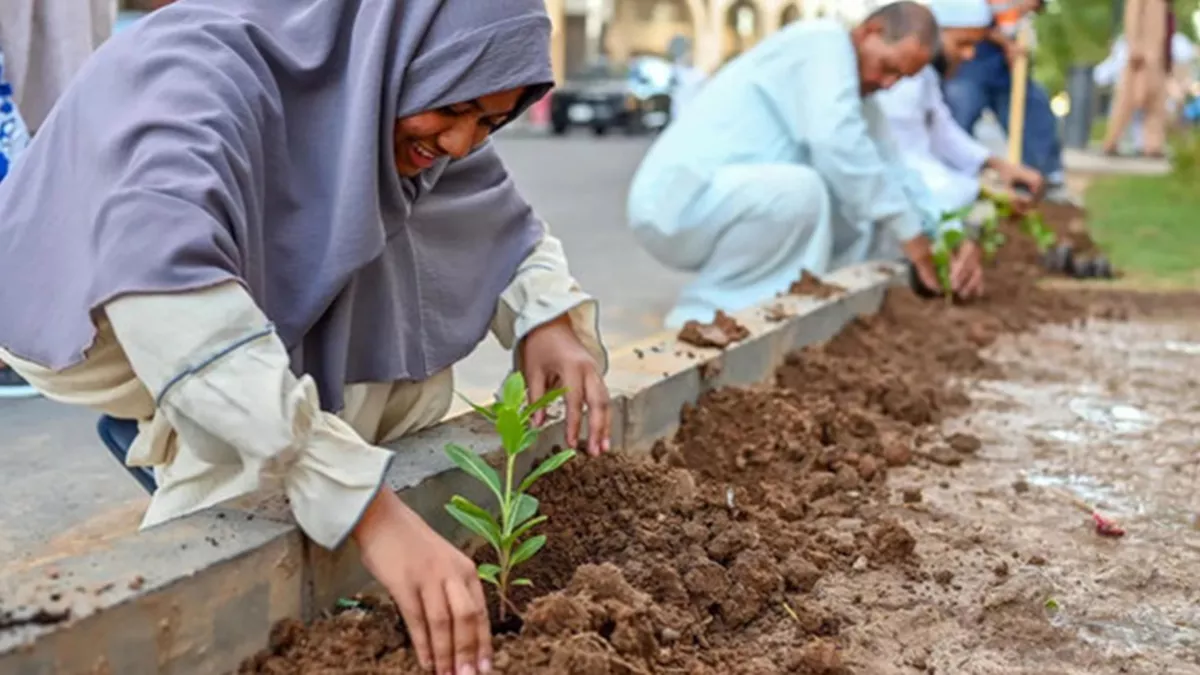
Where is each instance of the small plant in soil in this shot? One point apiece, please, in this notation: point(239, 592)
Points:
point(947, 243)
point(512, 417)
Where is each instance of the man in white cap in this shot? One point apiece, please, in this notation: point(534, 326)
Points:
point(948, 159)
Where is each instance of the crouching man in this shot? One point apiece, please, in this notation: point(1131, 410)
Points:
point(784, 164)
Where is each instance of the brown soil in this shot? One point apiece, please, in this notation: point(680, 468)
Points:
point(764, 538)
point(722, 332)
point(810, 284)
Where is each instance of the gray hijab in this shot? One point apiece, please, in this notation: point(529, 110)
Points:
point(231, 140)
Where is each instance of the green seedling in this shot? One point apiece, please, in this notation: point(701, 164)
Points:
point(990, 236)
point(1035, 227)
point(947, 243)
point(512, 417)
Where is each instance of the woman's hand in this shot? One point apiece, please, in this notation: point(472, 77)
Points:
point(434, 584)
point(552, 356)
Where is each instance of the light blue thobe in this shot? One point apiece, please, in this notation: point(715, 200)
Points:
point(779, 165)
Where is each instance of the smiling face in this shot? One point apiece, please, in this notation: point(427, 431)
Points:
point(451, 131)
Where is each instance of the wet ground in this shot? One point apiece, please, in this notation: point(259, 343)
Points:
point(1103, 418)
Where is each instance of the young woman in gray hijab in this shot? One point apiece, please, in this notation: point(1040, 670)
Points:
point(266, 231)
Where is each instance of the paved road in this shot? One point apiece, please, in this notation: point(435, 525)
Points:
point(62, 492)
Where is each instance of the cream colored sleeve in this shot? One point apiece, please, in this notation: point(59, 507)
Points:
point(542, 291)
point(221, 377)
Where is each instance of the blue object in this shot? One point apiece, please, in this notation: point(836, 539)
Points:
point(125, 19)
point(1191, 111)
point(118, 436)
point(985, 83)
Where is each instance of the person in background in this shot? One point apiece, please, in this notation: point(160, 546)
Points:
point(686, 78)
point(761, 178)
point(1183, 56)
point(278, 225)
point(14, 136)
point(985, 83)
point(948, 159)
point(1142, 86)
point(42, 44)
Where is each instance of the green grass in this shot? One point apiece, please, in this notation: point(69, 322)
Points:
point(1149, 227)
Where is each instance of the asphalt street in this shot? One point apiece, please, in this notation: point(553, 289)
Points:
point(63, 493)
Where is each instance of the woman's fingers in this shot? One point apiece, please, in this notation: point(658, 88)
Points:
point(413, 612)
point(574, 385)
point(483, 626)
point(537, 387)
point(974, 285)
point(599, 414)
point(466, 614)
point(441, 628)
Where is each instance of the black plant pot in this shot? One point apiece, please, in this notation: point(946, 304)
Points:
point(1059, 259)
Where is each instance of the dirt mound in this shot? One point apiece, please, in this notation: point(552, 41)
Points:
point(722, 332)
point(760, 539)
point(811, 284)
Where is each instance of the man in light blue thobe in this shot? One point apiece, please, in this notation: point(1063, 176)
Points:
point(780, 166)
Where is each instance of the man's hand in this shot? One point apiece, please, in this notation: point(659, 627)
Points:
point(966, 271)
point(919, 252)
point(434, 584)
point(1016, 175)
point(1013, 51)
point(552, 356)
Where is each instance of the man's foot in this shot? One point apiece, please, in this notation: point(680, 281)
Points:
point(13, 385)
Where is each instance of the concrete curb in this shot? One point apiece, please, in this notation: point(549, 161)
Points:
point(200, 594)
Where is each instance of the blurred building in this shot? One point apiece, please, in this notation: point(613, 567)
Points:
point(716, 30)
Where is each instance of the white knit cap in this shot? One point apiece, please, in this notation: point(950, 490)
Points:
point(961, 13)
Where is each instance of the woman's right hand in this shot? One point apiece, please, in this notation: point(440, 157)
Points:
point(436, 587)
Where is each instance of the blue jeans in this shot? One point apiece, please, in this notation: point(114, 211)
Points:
point(986, 83)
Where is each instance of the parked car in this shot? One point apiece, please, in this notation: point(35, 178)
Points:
point(636, 98)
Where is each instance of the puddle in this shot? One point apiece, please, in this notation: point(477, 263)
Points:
point(1120, 418)
point(1191, 348)
point(1102, 419)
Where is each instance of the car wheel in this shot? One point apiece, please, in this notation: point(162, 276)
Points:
point(558, 128)
point(600, 130)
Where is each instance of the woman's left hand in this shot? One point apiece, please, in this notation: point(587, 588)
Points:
point(552, 356)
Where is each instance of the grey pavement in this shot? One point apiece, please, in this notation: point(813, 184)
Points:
point(64, 493)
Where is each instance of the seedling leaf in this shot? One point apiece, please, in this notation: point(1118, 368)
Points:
point(528, 549)
point(520, 531)
point(474, 465)
point(543, 402)
point(521, 582)
point(524, 509)
point(475, 524)
point(469, 507)
point(510, 428)
point(952, 238)
point(550, 464)
point(490, 573)
point(513, 392)
point(487, 412)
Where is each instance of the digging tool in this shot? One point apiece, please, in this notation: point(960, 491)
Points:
point(1020, 84)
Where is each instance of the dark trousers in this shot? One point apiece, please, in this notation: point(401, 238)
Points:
point(985, 83)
